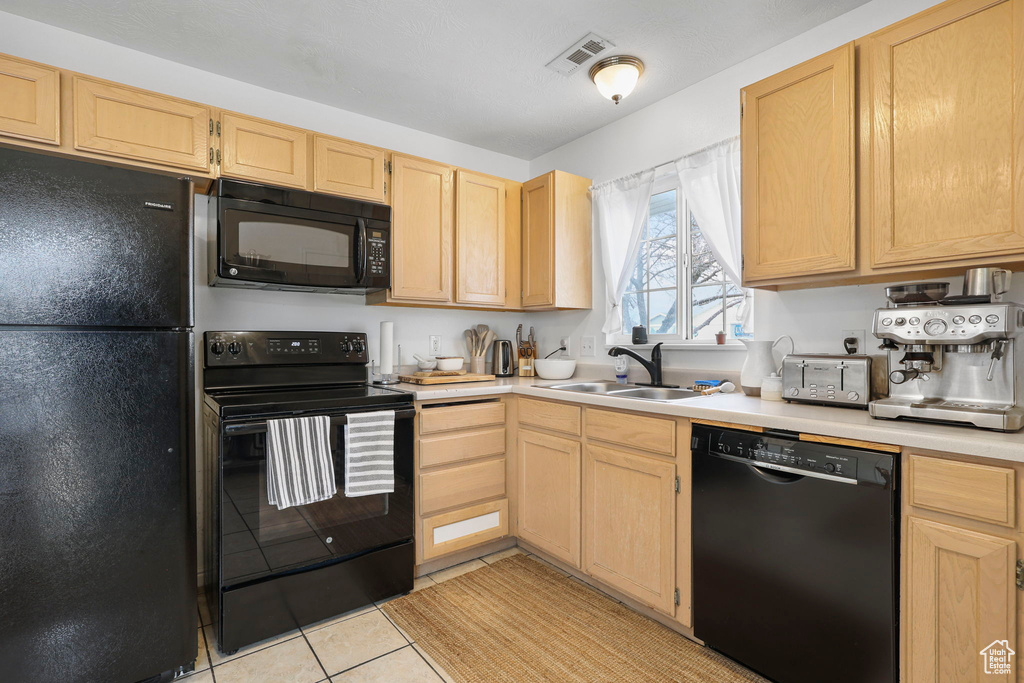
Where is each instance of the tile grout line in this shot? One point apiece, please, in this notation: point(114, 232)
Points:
point(334, 623)
point(397, 628)
point(345, 671)
point(235, 658)
point(427, 662)
point(315, 655)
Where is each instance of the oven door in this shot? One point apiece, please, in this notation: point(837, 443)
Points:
point(260, 242)
point(257, 540)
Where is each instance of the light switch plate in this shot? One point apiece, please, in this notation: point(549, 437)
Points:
point(587, 346)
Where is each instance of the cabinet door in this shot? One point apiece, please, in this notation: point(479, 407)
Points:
point(264, 151)
point(962, 598)
point(480, 239)
point(539, 242)
point(549, 494)
point(799, 203)
point(947, 105)
point(120, 121)
point(629, 525)
point(421, 232)
point(29, 100)
point(348, 168)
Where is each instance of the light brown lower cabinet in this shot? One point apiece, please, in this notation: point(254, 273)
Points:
point(549, 494)
point(629, 524)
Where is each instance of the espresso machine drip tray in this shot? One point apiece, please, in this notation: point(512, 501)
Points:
point(1001, 417)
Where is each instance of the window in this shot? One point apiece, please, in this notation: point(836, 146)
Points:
point(669, 270)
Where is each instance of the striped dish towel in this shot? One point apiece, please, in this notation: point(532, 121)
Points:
point(370, 453)
point(300, 467)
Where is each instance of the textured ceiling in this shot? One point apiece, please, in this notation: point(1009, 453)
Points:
point(469, 70)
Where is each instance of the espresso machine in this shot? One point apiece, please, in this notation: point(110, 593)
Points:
point(952, 358)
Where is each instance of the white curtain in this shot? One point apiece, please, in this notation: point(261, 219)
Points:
point(710, 182)
point(620, 209)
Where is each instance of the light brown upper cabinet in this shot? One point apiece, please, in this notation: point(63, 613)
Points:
point(557, 243)
point(549, 471)
point(799, 170)
point(421, 234)
point(263, 151)
point(629, 524)
point(349, 168)
point(480, 239)
point(29, 100)
point(120, 121)
point(947, 134)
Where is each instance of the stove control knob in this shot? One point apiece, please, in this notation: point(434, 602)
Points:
point(958, 320)
point(346, 346)
point(853, 396)
point(235, 348)
point(359, 346)
point(217, 348)
point(975, 319)
point(992, 319)
point(794, 391)
point(935, 327)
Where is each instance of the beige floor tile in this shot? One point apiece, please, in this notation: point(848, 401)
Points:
point(199, 677)
point(291, 661)
point(359, 611)
point(401, 630)
point(354, 641)
point(502, 554)
point(457, 570)
point(437, 667)
point(404, 666)
point(218, 657)
point(203, 658)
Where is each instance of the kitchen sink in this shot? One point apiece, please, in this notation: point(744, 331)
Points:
point(591, 387)
point(656, 394)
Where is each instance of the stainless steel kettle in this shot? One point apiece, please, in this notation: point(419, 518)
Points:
point(503, 360)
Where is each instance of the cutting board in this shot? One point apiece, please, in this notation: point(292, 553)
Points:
point(446, 379)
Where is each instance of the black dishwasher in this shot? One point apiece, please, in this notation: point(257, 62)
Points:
point(795, 555)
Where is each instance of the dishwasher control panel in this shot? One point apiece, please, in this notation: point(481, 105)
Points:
point(782, 453)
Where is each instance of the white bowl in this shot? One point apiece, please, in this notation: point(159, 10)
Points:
point(555, 368)
point(426, 365)
point(450, 364)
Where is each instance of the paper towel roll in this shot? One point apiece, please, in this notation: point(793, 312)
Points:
point(387, 344)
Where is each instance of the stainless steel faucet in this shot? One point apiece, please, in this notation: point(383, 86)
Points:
point(653, 366)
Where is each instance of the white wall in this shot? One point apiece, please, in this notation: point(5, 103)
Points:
point(699, 116)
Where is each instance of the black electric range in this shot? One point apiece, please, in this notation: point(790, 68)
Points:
point(280, 569)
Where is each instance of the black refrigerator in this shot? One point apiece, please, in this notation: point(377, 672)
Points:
point(97, 513)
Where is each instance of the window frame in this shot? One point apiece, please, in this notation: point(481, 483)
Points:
point(684, 286)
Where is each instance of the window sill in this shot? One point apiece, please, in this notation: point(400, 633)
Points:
point(686, 346)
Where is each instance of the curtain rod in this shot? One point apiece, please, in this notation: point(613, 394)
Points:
point(699, 151)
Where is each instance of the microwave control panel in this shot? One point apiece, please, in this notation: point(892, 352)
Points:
point(377, 256)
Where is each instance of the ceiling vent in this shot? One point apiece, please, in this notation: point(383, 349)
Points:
point(581, 52)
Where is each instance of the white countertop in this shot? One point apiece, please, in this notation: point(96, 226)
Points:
point(849, 423)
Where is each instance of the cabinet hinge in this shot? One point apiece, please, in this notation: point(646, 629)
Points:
point(211, 155)
point(385, 187)
point(1020, 575)
point(389, 167)
point(677, 596)
point(218, 157)
point(211, 126)
point(677, 491)
point(218, 129)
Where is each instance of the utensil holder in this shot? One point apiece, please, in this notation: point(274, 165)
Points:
point(478, 365)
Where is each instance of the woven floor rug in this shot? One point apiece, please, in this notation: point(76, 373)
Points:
point(519, 621)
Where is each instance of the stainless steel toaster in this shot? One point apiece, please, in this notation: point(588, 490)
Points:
point(827, 379)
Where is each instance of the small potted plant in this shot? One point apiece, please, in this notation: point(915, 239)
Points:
point(720, 337)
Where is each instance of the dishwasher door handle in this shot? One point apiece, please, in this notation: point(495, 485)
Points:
point(775, 477)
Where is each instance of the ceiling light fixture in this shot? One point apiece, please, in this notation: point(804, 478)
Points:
point(615, 77)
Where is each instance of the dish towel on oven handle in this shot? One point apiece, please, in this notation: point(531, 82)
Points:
point(370, 453)
point(300, 466)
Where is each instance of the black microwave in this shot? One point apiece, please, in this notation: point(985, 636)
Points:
point(264, 237)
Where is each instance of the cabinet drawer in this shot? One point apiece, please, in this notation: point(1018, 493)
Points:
point(449, 448)
point(558, 417)
point(967, 489)
point(433, 420)
point(635, 431)
point(461, 485)
point(458, 529)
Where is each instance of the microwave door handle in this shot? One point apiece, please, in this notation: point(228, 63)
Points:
point(363, 245)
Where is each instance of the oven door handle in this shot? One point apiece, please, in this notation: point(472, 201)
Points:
point(336, 420)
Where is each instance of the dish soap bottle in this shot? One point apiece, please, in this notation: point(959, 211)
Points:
point(622, 369)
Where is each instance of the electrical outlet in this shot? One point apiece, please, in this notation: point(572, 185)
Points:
point(587, 345)
point(859, 336)
point(435, 344)
point(567, 343)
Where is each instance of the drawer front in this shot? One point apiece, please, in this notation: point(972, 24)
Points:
point(558, 417)
point(635, 431)
point(461, 485)
point(966, 489)
point(459, 529)
point(434, 420)
point(449, 448)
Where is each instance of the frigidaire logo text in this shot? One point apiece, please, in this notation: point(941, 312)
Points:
point(158, 205)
